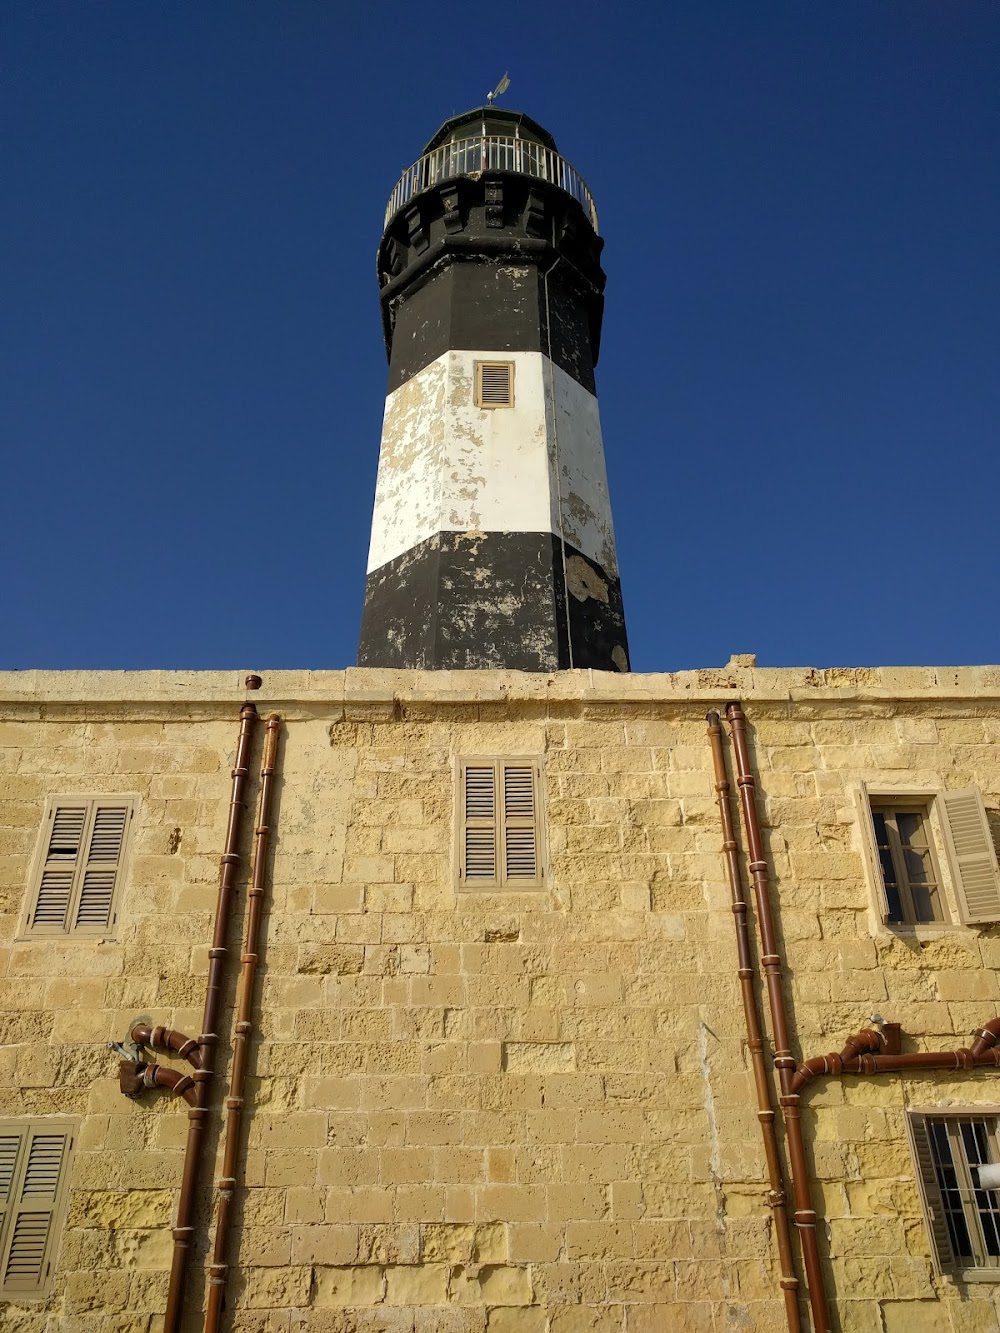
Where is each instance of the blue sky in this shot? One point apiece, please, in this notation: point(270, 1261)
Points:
point(800, 370)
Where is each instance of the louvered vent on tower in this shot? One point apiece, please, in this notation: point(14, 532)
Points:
point(494, 384)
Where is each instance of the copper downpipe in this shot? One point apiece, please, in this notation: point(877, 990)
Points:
point(776, 1197)
point(202, 1075)
point(784, 1062)
point(218, 1270)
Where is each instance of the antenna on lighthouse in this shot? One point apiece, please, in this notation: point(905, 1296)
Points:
point(501, 87)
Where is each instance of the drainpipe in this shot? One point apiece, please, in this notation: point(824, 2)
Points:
point(776, 1197)
point(218, 1270)
point(202, 1075)
point(784, 1062)
point(866, 1059)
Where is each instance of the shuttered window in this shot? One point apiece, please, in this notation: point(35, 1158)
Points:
point(963, 1219)
point(494, 384)
point(500, 840)
point(77, 875)
point(901, 850)
point(973, 856)
point(34, 1159)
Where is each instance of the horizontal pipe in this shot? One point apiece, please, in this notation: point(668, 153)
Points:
point(984, 1053)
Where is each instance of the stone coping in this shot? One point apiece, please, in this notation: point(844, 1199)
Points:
point(373, 686)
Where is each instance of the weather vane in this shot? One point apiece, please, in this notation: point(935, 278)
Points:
point(501, 87)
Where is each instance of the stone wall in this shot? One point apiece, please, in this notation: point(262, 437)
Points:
point(521, 1113)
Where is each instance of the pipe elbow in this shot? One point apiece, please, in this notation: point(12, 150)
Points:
point(986, 1037)
point(807, 1071)
point(869, 1041)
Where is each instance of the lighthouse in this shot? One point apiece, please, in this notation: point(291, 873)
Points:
point(492, 543)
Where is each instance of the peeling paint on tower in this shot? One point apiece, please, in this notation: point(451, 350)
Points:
point(492, 541)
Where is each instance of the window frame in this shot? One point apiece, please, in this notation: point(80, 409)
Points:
point(890, 808)
point(27, 1130)
point(500, 882)
point(94, 802)
point(946, 1261)
point(968, 876)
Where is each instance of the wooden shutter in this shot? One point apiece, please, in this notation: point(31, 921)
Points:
point(499, 833)
point(67, 827)
point(10, 1144)
point(520, 841)
point(930, 1193)
point(74, 888)
point(35, 1191)
point(494, 384)
point(479, 831)
point(973, 856)
point(99, 874)
point(871, 849)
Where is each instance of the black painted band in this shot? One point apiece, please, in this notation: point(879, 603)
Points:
point(518, 600)
point(495, 307)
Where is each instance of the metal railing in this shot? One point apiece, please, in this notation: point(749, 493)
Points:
point(470, 157)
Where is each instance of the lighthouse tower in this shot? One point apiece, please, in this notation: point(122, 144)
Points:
point(492, 543)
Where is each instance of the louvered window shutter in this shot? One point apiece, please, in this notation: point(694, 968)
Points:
point(871, 850)
point(74, 891)
point(35, 1187)
point(520, 841)
point(930, 1189)
point(10, 1144)
point(479, 832)
point(50, 911)
point(99, 873)
point(973, 856)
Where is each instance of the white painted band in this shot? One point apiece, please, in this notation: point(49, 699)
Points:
point(449, 466)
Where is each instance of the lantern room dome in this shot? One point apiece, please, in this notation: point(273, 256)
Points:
point(487, 121)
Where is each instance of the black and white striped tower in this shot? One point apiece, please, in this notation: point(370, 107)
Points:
point(492, 543)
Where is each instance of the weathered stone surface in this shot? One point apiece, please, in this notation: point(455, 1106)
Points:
point(502, 1113)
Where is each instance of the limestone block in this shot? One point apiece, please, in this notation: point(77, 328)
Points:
point(510, 1320)
point(273, 1288)
point(573, 1319)
point(331, 1245)
point(915, 1317)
